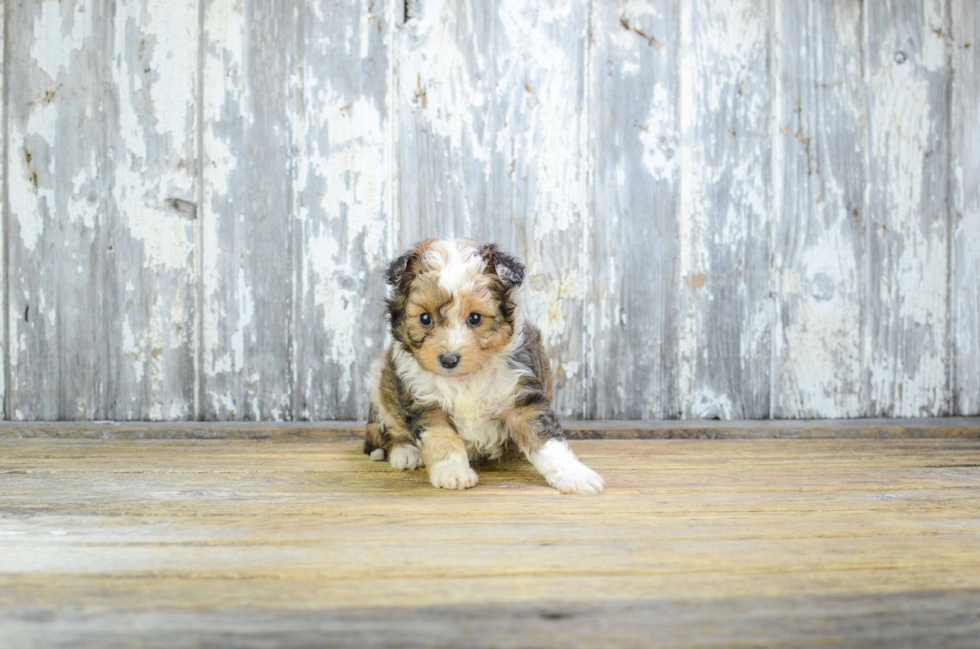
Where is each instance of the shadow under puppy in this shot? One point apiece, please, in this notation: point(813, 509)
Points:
point(466, 378)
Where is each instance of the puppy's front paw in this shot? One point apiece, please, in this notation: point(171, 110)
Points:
point(577, 478)
point(406, 457)
point(452, 475)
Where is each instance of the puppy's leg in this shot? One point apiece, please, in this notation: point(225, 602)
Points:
point(538, 433)
point(445, 455)
point(374, 442)
point(375, 437)
point(404, 452)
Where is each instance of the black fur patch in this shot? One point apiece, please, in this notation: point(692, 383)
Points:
point(531, 355)
point(548, 426)
point(397, 268)
point(531, 396)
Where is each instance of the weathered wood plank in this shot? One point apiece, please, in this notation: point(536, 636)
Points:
point(819, 181)
point(963, 427)
point(633, 292)
point(965, 220)
point(247, 259)
point(907, 244)
point(341, 204)
point(57, 202)
point(442, 138)
point(760, 542)
point(492, 144)
point(898, 620)
point(4, 165)
point(151, 165)
point(725, 316)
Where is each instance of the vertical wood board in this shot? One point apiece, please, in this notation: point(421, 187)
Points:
point(57, 201)
point(341, 199)
point(633, 292)
point(151, 167)
point(247, 259)
point(819, 145)
point(907, 246)
point(723, 364)
point(965, 218)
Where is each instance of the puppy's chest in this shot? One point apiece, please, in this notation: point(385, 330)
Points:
point(476, 404)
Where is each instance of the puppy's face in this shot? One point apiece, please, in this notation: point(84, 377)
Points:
point(453, 303)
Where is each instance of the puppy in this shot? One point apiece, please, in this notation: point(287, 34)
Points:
point(466, 378)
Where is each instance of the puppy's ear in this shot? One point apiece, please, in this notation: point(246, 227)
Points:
point(402, 270)
point(397, 268)
point(507, 268)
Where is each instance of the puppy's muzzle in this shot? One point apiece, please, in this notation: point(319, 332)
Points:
point(449, 361)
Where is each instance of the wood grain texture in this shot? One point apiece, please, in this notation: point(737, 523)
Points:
point(633, 293)
point(492, 144)
point(151, 164)
point(965, 218)
point(723, 365)
point(907, 238)
point(342, 195)
point(819, 179)
point(57, 200)
point(751, 542)
point(250, 86)
point(912, 620)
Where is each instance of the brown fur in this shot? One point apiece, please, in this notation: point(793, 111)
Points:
point(415, 278)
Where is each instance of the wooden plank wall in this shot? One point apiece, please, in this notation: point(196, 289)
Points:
point(736, 210)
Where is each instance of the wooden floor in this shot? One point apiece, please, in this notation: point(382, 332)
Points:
point(230, 542)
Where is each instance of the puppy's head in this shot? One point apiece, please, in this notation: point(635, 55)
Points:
point(453, 303)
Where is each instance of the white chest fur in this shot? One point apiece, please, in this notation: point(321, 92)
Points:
point(475, 401)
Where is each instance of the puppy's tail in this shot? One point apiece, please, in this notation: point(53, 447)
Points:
point(375, 438)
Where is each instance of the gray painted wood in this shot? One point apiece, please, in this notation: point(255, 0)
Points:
point(492, 144)
point(57, 198)
point(250, 93)
point(151, 214)
point(819, 178)
point(341, 197)
point(736, 210)
point(723, 365)
point(965, 218)
point(633, 292)
point(907, 237)
point(4, 211)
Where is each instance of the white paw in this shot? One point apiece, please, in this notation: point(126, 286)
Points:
point(406, 457)
point(576, 478)
point(452, 475)
point(377, 454)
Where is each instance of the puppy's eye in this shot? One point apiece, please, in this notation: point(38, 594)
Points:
point(475, 319)
point(426, 320)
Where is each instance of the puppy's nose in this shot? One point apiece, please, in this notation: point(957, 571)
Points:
point(449, 361)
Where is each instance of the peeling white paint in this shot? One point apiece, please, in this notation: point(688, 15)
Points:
point(504, 146)
point(54, 58)
point(907, 353)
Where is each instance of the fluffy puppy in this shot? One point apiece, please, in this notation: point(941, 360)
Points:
point(466, 378)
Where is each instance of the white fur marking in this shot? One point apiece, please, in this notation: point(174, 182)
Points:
point(461, 265)
point(563, 471)
point(452, 474)
point(475, 401)
point(378, 455)
point(406, 457)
